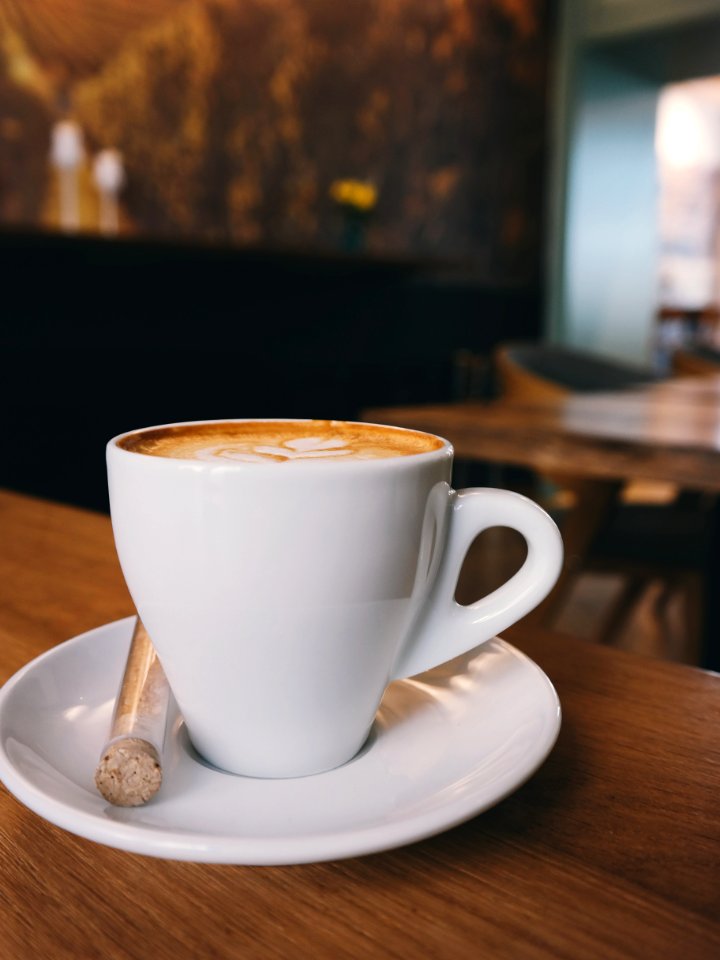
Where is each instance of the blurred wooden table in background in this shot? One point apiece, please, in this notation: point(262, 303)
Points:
point(669, 431)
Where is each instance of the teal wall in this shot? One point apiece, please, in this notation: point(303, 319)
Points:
point(610, 269)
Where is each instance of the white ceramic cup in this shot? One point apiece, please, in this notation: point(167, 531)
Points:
point(282, 599)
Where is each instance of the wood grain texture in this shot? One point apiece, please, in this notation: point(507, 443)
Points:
point(612, 850)
point(669, 431)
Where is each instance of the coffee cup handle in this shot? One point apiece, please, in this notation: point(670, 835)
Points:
point(446, 629)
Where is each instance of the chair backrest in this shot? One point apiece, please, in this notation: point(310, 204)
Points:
point(696, 361)
point(536, 371)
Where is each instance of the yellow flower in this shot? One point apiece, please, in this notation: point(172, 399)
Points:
point(361, 195)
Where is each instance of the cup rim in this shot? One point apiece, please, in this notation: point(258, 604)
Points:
point(443, 451)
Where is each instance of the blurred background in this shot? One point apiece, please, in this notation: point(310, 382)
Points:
point(230, 208)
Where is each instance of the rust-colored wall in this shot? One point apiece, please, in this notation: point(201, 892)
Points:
point(234, 117)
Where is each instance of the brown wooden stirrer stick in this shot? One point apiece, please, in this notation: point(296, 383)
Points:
point(130, 769)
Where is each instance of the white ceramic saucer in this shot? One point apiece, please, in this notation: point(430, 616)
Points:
point(446, 746)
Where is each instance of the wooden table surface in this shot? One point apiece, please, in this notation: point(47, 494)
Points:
point(612, 850)
point(667, 431)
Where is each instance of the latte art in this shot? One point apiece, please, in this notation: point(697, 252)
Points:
point(304, 448)
point(279, 441)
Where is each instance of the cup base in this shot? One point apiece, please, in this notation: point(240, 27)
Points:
point(269, 771)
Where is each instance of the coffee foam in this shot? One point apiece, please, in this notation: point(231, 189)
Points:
point(279, 441)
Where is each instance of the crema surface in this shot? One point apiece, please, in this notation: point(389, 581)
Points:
point(279, 441)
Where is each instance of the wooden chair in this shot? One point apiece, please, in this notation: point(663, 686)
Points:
point(537, 371)
point(696, 361)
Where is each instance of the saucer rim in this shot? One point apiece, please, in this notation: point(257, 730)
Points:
point(262, 851)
